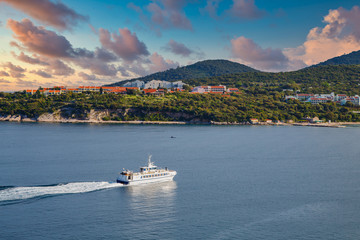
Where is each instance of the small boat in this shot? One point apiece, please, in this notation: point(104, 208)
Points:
point(148, 174)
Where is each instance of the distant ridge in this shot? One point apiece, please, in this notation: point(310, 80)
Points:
point(346, 59)
point(203, 69)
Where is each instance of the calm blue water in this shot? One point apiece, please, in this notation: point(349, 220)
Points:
point(233, 182)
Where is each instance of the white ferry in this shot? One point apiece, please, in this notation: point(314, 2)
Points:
point(148, 174)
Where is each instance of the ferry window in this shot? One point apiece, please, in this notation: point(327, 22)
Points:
point(129, 177)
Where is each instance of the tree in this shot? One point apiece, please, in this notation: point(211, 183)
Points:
point(187, 88)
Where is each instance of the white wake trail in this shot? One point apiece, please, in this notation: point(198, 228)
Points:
point(21, 193)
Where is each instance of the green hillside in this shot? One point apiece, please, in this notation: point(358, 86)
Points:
point(202, 69)
point(337, 78)
point(346, 59)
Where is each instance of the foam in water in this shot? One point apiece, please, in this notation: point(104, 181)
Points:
point(21, 193)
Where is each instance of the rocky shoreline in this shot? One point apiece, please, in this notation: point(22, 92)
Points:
point(97, 118)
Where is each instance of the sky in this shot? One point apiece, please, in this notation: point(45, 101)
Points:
point(91, 42)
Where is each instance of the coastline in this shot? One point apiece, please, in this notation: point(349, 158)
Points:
point(47, 119)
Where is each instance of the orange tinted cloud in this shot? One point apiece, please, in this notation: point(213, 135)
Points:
point(54, 14)
point(341, 35)
point(251, 53)
point(126, 45)
point(158, 63)
point(39, 40)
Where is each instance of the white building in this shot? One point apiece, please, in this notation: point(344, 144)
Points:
point(163, 84)
point(340, 97)
point(331, 96)
point(209, 89)
point(198, 89)
point(355, 100)
point(137, 83)
point(317, 100)
point(178, 84)
point(303, 96)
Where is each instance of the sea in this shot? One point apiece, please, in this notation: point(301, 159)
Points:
point(57, 181)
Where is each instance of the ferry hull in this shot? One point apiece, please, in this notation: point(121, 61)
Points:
point(145, 181)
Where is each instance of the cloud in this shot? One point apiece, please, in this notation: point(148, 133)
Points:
point(169, 14)
point(32, 60)
point(134, 7)
point(104, 55)
point(54, 14)
point(59, 68)
point(15, 71)
point(265, 59)
point(245, 9)
point(3, 81)
point(340, 35)
point(178, 48)
point(39, 40)
point(120, 52)
point(44, 42)
point(85, 76)
point(126, 45)
point(158, 63)
point(211, 8)
point(164, 14)
point(56, 48)
point(41, 73)
point(97, 66)
point(26, 84)
point(4, 74)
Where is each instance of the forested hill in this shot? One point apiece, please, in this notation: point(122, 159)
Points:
point(347, 59)
point(202, 69)
point(337, 78)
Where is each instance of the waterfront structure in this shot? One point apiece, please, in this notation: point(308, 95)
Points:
point(254, 121)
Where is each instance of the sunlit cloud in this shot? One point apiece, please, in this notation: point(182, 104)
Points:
point(86, 76)
point(125, 45)
point(341, 35)
point(158, 63)
point(4, 74)
point(15, 71)
point(41, 73)
point(251, 53)
point(27, 59)
point(55, 14)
